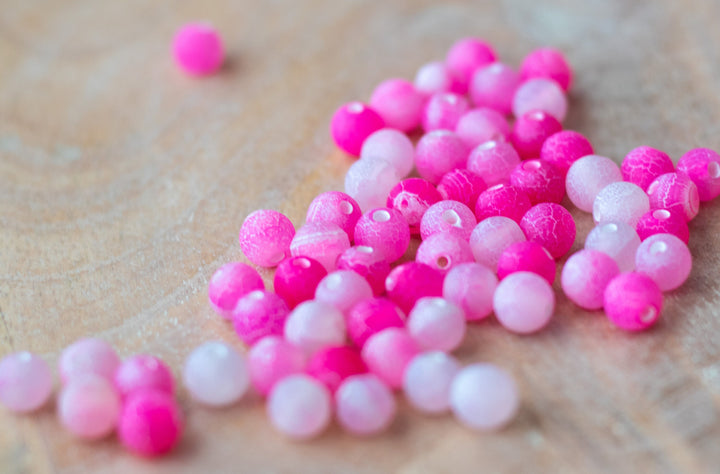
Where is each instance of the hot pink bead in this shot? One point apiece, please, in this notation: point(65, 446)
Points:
point(565, 147)
point(88, 356)
point(676, 193)
point(585, 276)
point(143, 372)
point(398, 103)
point(448, 216)
point(633, 301)
point(412, 197)
point(371, 316)
point(664, 258)
point(332, 365)
point(620, 202)
point(471, 287)
point(530, 132)
point(386, 231)
point(494, 86)
point(271, 359)
point(484, 397)
point(540, 180)
point(461, 185)
point(643, 164)
point(662, 221)
point(540, 94)
point(527, 257)
point(438, 153)
point(368, 263)
point(322, 241)
point(443, 251)
point(26, 382)
point(231, 282)
point(365, 405)
point(88, 406)
point(265, 237)
point(493, 161)
point(335, 207)
point(258, 314)
point(502, 200)
point(151, 423)
point(410, 281)
point(314, 325)
point(616, 239)
point(465, 57)
point(524, 302)
point(392, 146)
point(482, 125)
point(300, 407)
point(437, 324)
point(296, 279)
point(432, 78)
point(369, 181)
point(702, 166)
point(388, 352)
point(548, 63)
point(587, 177)
point(443, 111)
point(215, 374)
point(198, 49)
point(351, 124)
point(491, 237)
point(550, 225)
point(343, 289)
point(427, 381)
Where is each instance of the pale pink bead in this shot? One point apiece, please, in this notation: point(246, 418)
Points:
point(368, 263)
point(633, 301)
point(526, 256)
point(335, 207)
point(141, 372)
point(585, 276)
point(549, 63)
point(540, 94)
point(437, 324)
point(322, 241)
point(296, 279)
point(484, 397)
point(215, 374)
point(427, 381)
point(388, 352)
point(398, 103)
point(370, 316)
point(351, 124)
point(620, 202)
point(231, 282)
point(439, 152)
point(616, 239)
point(314, 325)
point(343, 289)
point(88, 406)
point(524, 302)
point(258, 314)
point(151, 423)
point(530, 132)
point(643, 164)
point(443, 251)
point(386, 231)
point(676, 193)
point(365, 405)
point(271, 359)
point(392, 146)
point(494, 86)
point(331, 365)
point(493, 161)
point(702, 166)
point(481, 125)
point(565, 147)
point(491, 237)
point(198, 49)
point(502, 200)
point(265, 237)
point(411, 281)
point(662, 221)
point(448, 216)
point(550, 225)
point(471, 287)
point(88, 356)
point(465, 57)
point(432, 78)
point(443, 111)
point(664, 258)
point(587, 177)
point(369, 181)
point(300, 407)
point(540, 180)
point(461, 185)
point(412, 197)
point(26, 382)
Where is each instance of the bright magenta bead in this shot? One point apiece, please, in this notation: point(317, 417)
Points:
point(410, 281)
point(549, 63)
point(702, 166)
point(335, 207)
point(587, 176)
point(662, 221)
point(412, 197)
point(565, 147)
point(427, 381)
point(461, 185)
point(314, 325)
point(644, 164)
point(258, 314)
point(550, 225)
point(351, 124)
point(491, 237)
point(265, 237)
point(438, 153)
point(364, 405)
point(448, 216)
point(465, 57)
point(493, 161)
point(524, 302)
point(368, 263)
point(482, 125)
point(620, 202)
point(616, 239)
point(151, 423)
point(676, 193)
point(143, 372)
point(437, 324)
point(398, 103)
point(527, 256)
point(231, 282)
point(300, 407)
point(271, 359)
point(88, 406)
point(585, 276)
point(88, 356)
point(633, 301)
point(392, 146)
point(502, 200)
point(343, 289)
point(664, 258)
point(540, 94)
point(296, 279)
point(388, 353)
point(444, 250)
point(494, 86)
point(332, 365)
point(540, 180)
point(198, 49)
point(432, 78)
point(26, 382)
point(471, 286)
point(443, 111)
point(386, 231)
point(322, 241)
point(530, 132)
point(369, 181)
point(371, 316)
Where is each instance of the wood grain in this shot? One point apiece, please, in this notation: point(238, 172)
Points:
point(123, 184)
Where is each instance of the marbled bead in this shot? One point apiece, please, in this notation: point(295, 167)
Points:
point(461, 185)
point(321, 241)
point(540, 180)
point(633, 301)
point(437, 324)
point(493, 161)
point(351, 124)
point(438, 153)
point(549, 63)
point(565, 147)
point(702, 166)
point(368, 263)
point(88, 356)
point(258, 314)
point(231, 282)
point(494, 86)
point(141, 372)
point(364, 405)
point(392, 146)
point(371, 316)
point(88, 406)
point(530, 132)
point(587, 176)
point(427, 381)
point(26, 382)
point(387, 354)
point(410, 281)
point(643, 164)
point(585, 276)
point(491, 237)
point(398, 103)
point(526, 256)
point(471, 287)
point(369, 181)
point(443, 110)
point(432, 78)
point(484, 397)
point(296, 279)
point(151, 423)
point(526, 314)
point(480, 125)
point(385, 230)
point(662, 221)
point(550, 225)
point(343, 289)
point(502, 200)
point(215, 374)
point(271, 359)
point(664, 258)
point(265, 237)
point(616, 239)
point(676, 193)
point(412, 197)
point(444, 250)
point(448, 217)
point(314, 325)
point(540, 94)
point(620, 202)
point(335, 207)
point(300, 407)
point(465, 57)
point(332, 365)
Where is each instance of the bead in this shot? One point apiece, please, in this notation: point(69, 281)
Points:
point(343, 289)
point(620, 202)
point(300, 407)
point(332, 365)
point(465, 57)
point(438, 153)
point(437, 324)
point(493, 161)
point(702, 166)
point(258, 314)
point(296, 279)
point(273, 358)
point(142, 372)
point(484, 397)
point(481, 125)
point(471, 287)
point(662, 221)
point(314, 325)
point(427, 381)
point(369, 317)
point(448, 217)
point(412, 197)
point(88, 406)
point(443, 251)
point(88, 356)
point(494, 86)
point(26, 382)
point(461, 185)
point(368, 263)
point(335, 207)
point(633, 301)
point(585, 276)
point(540, 94)
point(540, 180)
point(644, 164)
point(410, 281)
point(549, 63)
point(502, 200)
point(526, 256)
point(443, 111)
point(322, 241)
point(265, 237)
point(524, 302)
point(550, 225)
point(215, 374)
point(565, 147)
point(398, 103)
point(432, 78)
point(616, 239)
point(198, 49)
point(388, 352)
point(151, 423)
point(364, 405)
point(491, 237)
point(392, 146)
point(370, 180)
point(587, 177)
point(351, 124)
point(231, 282)
point(676, 193)
point(386, 231)
point(530, 132)
point(664, 258)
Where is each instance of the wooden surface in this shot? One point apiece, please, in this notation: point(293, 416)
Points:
point(123, 185)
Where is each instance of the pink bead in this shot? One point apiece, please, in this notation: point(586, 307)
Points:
point(300, 407)
point(215, 374)
point(351, 124)
point(265, 237)
point(231, 282)
point(702, 166)
point(620, 202)
point(616, 239)
point(412, 197)
point(271, 359)
point(587, 177)
point(524, 302)
point(258, 314)
point(465, 57)
point(88, 406)
point(530, 132)
point(386, 231)
point(410, 281)
point(314, 325)
point(585, 276)
point(141, 372)
point(540, 94)
point(322, 241)
point(370, 316)
point(443, 251)
point(494, 86)
point(443, 111)
point(502, 200)
point(633, 301)
point(26, 382)
point(88, 356)
point(438, 153)
point(550, 225)
point(432, 78)
point(151, 423)
point(471, 287)
point(335, 207)
point(548, 63)
point(198, 49)
point(461, 185)
point(388, 352)
point(398, 103)
point(540, 180)
point(493, 161)
point(644, 164)
point(527, 256)
point(427, 381)
point(448, 217)
point(482, 125)
point(484, 397)
point(491, 237)
point(662, 221)
point(563, 148)
point(392, 146)
point(296, 279)
point(676, 193)
point(369, 181)
point(368, 263)
point(332, 365)
point(437, 324)
point(365, 405)
point(343, 289)
point(664, 258)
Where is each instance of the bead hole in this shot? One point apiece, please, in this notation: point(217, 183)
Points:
point(497, 186)
point(537, 115)
point(381, 216)
point(346, 208)
point(648, 315)
point(355, 107)
point(611, 227)
point(532, 165)
point(443, 262)
point(658, 247)
point(661, 214)
point(364, 249)
point(714, 169)
point(301, 262)
point(452, 218)
point(333, 281)
point(487, 145)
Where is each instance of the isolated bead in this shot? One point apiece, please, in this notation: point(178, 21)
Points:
point(702, 166)
point(388, 352)
point(442, 251)
point(481, 125)
point(370, 180)
point(427, 381)
point(563, 148)
point(392, 146)
point(438, 153)
point(465, 57)
point(676, 193)
point(540, 180)
point(437, 324)
point(494, 86)
point(370, 316)
point(231, 282)
point(151, 423)
point(368, 263)
point(664, 258)
point(585, 276)
point(524, 302)
point(432, 78)
point(335, 207)
point(198, 49)
point(549, 63)
point(491, 237)
point(271, 359)
point(88, 406)
point(141, 372)
point(343, 289)
point(296, 279)
point(471, 287)
point(88, 356)
point(364, 405)
point(385, 230)
point(351, 124)
point(265, 237)
point(550, 225)
point(26, 382)
point(300, 407)
point(322, 241)
point(451, 217)
point(540, 94)
point(502, 200)
point(662, 221)
point(484, 397)
point(258, 314)
point(644, 164)
point(398, 103)
point(215, 374)
point(443, 111)
point(332, 365)
point(633, 301)
point(493, 161)
point(587, 176)
point(616, 239)
point(620, 202)
point(314, 325)
point(526, 256)
point(461, 185)
point(530, 132)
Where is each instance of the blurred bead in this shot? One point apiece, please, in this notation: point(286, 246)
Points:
point(540, 180)
point(300, 407)
point(524, 302)
point(443, 251)
point(540, 94)
point(335, 207)
point(198, 49)
point(273, 358)
point(461, 185)
point(480, 125)
point(563, 148)
point(88, 356)
point(484, 397)
point(494, 86)
point(493, 161)
point(550, 225)
point(314, 325)
point(620, 202)
point(437, 324)
point(215, 374)
point(664, 258)
point(410, 281)
point(370, 316)
point(585, 276)
point(364, 405)
point(432, 78)
point(702, 166)
point(392, 146)
point(587, 177)
point(231, 282)
point(676, 193)
point(427, 381)
point(88, 406)
point(26, 382)
point(438, 153)
point(471, 286)
point(643, 164)
point(527, 256)
point(296, 279)
point(398, 103)
point(368, 263)
point(633, 301)
point(502, 200)
point(332, 365)
point(258, 314)
point(143, 372)
point(549, 63)
point(321, 241)
point(351, 124)
point(388, 352)
point(151, 423)
point(343, 289)
point(369, 181)
point(465, 57)
point(662, 221)
point(265, 237)
point(443, 111)
point(616, 239)
point(530, 132)
point(451, 217)
point(386, 231)
point(412, 197)
point(491, 237)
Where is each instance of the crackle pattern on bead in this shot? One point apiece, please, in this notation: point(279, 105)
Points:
point(526, 256)
point(385, 230)
point(461, 185)
point(412, 197)
point(450, 217)
point(550, 225)
point(564, 148)
point(322, 241)
point(540, 180)
point(265, 237)
point(616, 239)
point(664, 258)
point(481, 125)
point(502, 200)
point(620, 202)
point(493, 161)
point(643, 164)
point(368, 263)
point(530, 132)
point(438, 153)
point(442, 251)
point(663, 221)
point(335, 207)
point(675, 192)
point(587, 176)
point(702, 166)
point(491, 237)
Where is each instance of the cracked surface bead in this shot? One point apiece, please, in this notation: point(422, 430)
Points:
point(587, 176)
point(451, 217)
point(410, 281)
point(314, 325)
point(215, 374)
point(371, 316)
point(296, 279)
point(265, 237)
point(664, 258)
point(271, 359)
point(392, 146)
point(443, 110)
point(461, 185)
point(643, 164)
point(332, 365)
point(321, 241)
point(368, 263)
point(365, 405)
point(465, 57)
point(620, 202)
point(143, 372)
point(343, 289)
point(565, 147)
point(702, 166)
point(540, 180)
point(550, 225)
point(529, 313)
point(494, 86)
point(437, 324)
point(502, 200)
point(231, 282)
point(484, 397)
point(633, 301)
point(26, 382)
point(432, 78)
point(585, 276)
point(438, 153)
point(258, 314)
point(335, 207)
point(369, 181)
point(443, 251)
point(540, 94)
point(493, 161)
point(398, 103)
point(549, 63)
point(151, 423)
point(300, 407)
point(387, 354)
point(427, 381)
point(616, 239)
point(412, 197)
point(662, 221)
point(88, 406)
point(530, 132)
point(480, 125)
point(676, 193)
point(526, 256)
point(491, 237)
point(88, 356)
point(471, 286)
point(386, 231)
point(351, 124)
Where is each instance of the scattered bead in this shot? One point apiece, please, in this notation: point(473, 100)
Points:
point(702, 166)
point(662, 221)
point(481, 125)
point(88, 406)
point(526, 314)
point(530, 132)
point(432, 78)
point(438, 153)
point(484, 397)
point(314, 325)
point(392, 146)
point(300, 407)
point(451, 217)
point(494, 86)
point(442, 251)
point(265, 237)
point(26, 382)
point(549, 63)
point(141, 372)
point(332, 365)
point(471, 286)
point(633, 301)
point(364, 405)
point(296, 279)
point(351, 124)
point(493, 161)
point(587, 176)
point(491, 237)
point(398, 103)
point(465, 57)
point(370, 316)
point(386, 231)
point(437, 324)
point(335, 207)
point(368, 263)
point(676, 193)
point(151, 423)
point(271, 359)
point(443, 111)
point(427, 381)
point(215, 374)
point(644, 164)
point(550, 225)
point(370, 180)
point(388, 352)
point(502, 200)
point(88, 356)
point(664, 258)
point(540, 180)
point(198, 49)
point(616, 239)
point(585, 276)
point(343, 289)
point(411, 281)
point(258, 314)
point(620, 202)
point(526, 256)
point(564, 148)
point(540, 94)
point(322, 241)
point(231, 282)
point(461, 185)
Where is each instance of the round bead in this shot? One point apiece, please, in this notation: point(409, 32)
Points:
point(314, 325)
point(620, 202)
point(88, 407)
point(335, 207)
point(427, 381)
point(491, 237)
point(388, 352)
point(215, 374)
point(343, 289)
point(369, 317)
point(493, 161)
point(322, 241)
point(141, 372)
point(527, 256)
point(231, 282)
point(633, 301)
point(481, 125)
point(443, 251)
point(332, 365)
point(644, 164)
point(585, 276)
point(461, 185)
point(296, 279)
point(370, 180)
point(258, 314)
point(548, 63)
point(88, 356)
point(524, 302)
point(550, 225)
point(398, 103)
point(662, 221)
point(438, 153)
point(494, 86)
point(364, 405)
point(565, 147)
point(368, 263)
point(616, 239)
point(530, 132)
point(448, 217)
point(265, 237)
point(386, 231)
point(702, 166)
point(432, 78)
point(437, 324)
point(443, 111)
point(540, 180)
point(151, 423)
point(587, 177)
point(392, 146)
point(410, 281)
point(540, 94)
point(26, 382)
point(664, 258)
point(198, 49)
point(300, 407)
point(351, 124)
point(484, 397)
point(271, 359)
point(676, 193)
point(465, 57)
point(471, 287)
point(502, 200)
